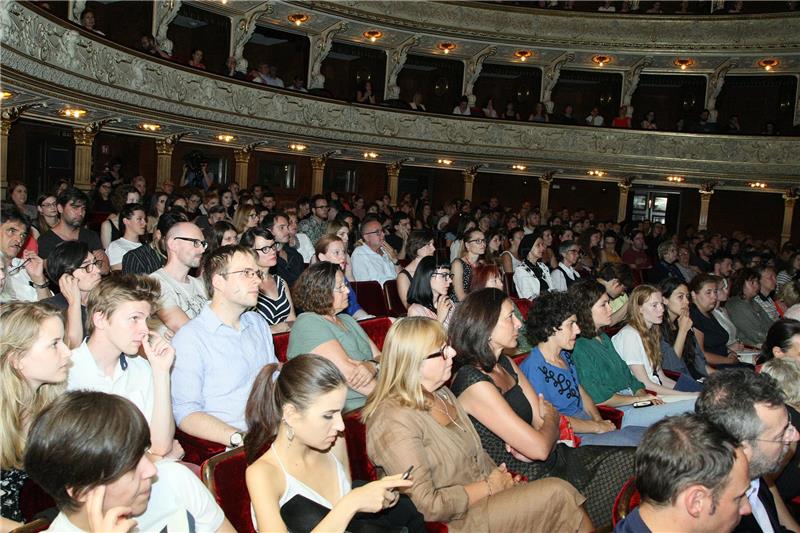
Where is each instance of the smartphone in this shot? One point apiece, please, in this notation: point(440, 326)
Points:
point(643, 403)
point(407, 473)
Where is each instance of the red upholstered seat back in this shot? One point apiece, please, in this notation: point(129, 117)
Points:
point(609, 413)
point(33, 500)
point(524, 305)
point(197, 449)
point(281, 343)
point(395, 305)
point(376, 329)
point(626, 501)
point(370, 297)
point(224, 475)
point(511, 289)
point(355, 434)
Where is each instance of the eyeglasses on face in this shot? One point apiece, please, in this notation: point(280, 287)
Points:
point(88, 267)
point(49, 204)
point(788, 435)
point(340, 288)
point(444, 275)
point(197, 243)
point(247, 273)
point(476, 241)
point(376, 232)
point(266, 249)
point(441, 353)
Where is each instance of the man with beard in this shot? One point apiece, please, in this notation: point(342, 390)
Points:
point(25, 280)
point(751, 408)
point(182, 296)
point(72, 210)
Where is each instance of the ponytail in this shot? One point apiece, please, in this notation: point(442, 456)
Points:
point(262, 413)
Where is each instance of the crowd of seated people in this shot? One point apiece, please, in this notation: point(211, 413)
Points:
point(498, 383)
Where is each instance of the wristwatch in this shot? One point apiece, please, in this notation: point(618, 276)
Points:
point(38, 285)
point(237, 439)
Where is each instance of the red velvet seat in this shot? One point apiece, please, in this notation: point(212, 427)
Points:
point(33, 500)
point(609, 413)
point(524, 305)
point(197, 449)
point(671, 374)
point(281, 343)
point(376, 329)
point(224, 475)
point(392, 297)
point(370, 297)
point(626, 501)
point(511, 289)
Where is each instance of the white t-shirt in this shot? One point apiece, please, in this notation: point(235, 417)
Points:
point(135, 382)
point(190, 297)
point(179, 502)
point(630, 347)
point(305, 247)
point(117, 249)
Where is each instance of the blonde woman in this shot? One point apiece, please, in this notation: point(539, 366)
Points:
point(34, 362)
point(639, 343)
point(244, 218)
point(414, 419)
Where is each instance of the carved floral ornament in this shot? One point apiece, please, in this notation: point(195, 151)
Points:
point(47, 59)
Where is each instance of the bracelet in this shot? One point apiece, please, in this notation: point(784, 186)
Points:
point(489, 487)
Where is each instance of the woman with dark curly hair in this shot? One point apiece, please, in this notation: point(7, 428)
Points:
point(324, 330)
point(552, 324)
point(602, 372)
point(516, 425)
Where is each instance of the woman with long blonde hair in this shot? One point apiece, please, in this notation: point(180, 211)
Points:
point(33, 368)
point(639, 343)
point(413, 419)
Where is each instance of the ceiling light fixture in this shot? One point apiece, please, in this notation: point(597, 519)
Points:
point(149, 127)
point(757, 185)
point(298, 147)
point(676, 179)
point(598, 173)
point(683, 62)
point(370, 155)
point(373, 35)
point(298, 18)
point(225, 137)
point(523, 55)
point(7, 95)
point(72, 112)
point(446, 47)
point(601, 60)
point(768, 63)
point(447, 162)
point(519, 167)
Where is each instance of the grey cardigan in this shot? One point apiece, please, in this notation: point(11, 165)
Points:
point(751, 321)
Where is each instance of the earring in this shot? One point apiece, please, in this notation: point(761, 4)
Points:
point(289, 431)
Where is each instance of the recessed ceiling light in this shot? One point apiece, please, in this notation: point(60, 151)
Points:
point(683, 62)
point(601, 60)
point(370, 155)
point(768, 63)
point(373, 35)
point(298, 147)
point(149, 127)
point(447, 162)
point(523, 55)
point(72, 112)
point(298, 18)
point(446, 47)
point(225, 137)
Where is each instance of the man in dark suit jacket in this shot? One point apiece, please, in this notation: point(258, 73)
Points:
point(751, 407)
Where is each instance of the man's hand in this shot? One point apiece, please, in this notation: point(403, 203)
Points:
point(159, 352)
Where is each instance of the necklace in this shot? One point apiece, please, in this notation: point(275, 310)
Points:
point(446, 411)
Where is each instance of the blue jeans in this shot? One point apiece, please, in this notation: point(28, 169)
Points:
point(647, 416)
point(627, 436)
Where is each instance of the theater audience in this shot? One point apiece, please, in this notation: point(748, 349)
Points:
point(244, 218)
point(550, 370)
point(565, 275)
point(414, 419)
point(134, 222)
point(750, 319)
point(290, 262)
point(684, 265)
point(691, 476)
point(752, 409)
point(767, 283)
point(365, 94)
point(510, 256)
point(88, 451)
point(332, 249)
point(75, 271)
point(720, 312)
point(222, 233)
point(420, 245)
point(296, 417)
point(712, 337)
point(428, 294)
point(47, 217)
point(33, 367)
point(609, 252)
point(532, 277)
point(374, 260)
point(791, 272)
point(112, 229)
point(398, 240)
point(196, 59)
point(681, 350)
point(274, 299)
point(25, 279)
point(639, 344)
point(210, 380)
point(490, 276)
point(182, 296)
point(118, 310)
point(150, 257)
point(18, 196)
point(322, 329)
point(665, 267)
point(516, 426)
point(636, 256)
point(315, 225)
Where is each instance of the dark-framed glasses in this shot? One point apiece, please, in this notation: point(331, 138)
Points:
point(441, 353)
point(476, 241)
point(247, 273)
point(88, 267)
point(197, 243)
point(266, 249)
point(443, 275)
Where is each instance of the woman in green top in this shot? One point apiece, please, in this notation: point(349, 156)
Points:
point(322, 293)
point(602, 372)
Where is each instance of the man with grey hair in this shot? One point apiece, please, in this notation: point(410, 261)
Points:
point(751, 408)
point(665, 266)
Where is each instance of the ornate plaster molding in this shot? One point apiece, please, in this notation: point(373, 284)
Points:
point(51, 60)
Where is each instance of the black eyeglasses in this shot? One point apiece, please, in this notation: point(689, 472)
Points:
point(267, 248)
point(197, 243)
point(446, 275)
point(477, 241)
point(321, 207)
point(441, 353)
point(88, 267)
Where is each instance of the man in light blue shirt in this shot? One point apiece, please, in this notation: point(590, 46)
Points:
point(220, 352)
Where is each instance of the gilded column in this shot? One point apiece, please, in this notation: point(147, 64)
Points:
point(317, 174)
point(242, 158)
point(469, 179)
point(6, 128)
point(622, 208)
point(84, 138)
point(164, 148)
point(705, 201)
point(393, 175)
point(544, 194)
point(789, 199)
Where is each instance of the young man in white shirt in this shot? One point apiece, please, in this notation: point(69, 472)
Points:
point(134, 220)
point(182, 296)
point(118, 310)
point(88, 451)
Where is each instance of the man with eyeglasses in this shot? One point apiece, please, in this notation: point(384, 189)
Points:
point(751, 407)
point(315, 225)
point(25, 279)
point(565, 274)
point(374, 260)
point(221, 350)
point(182, 296)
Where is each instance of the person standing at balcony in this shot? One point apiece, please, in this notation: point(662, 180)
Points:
point(298, 84)
point(196, 60)
point(489, 111)
point(260, 75)
point(595, 118)
point(463, 107)
point(366, 94)
point(704, 123)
